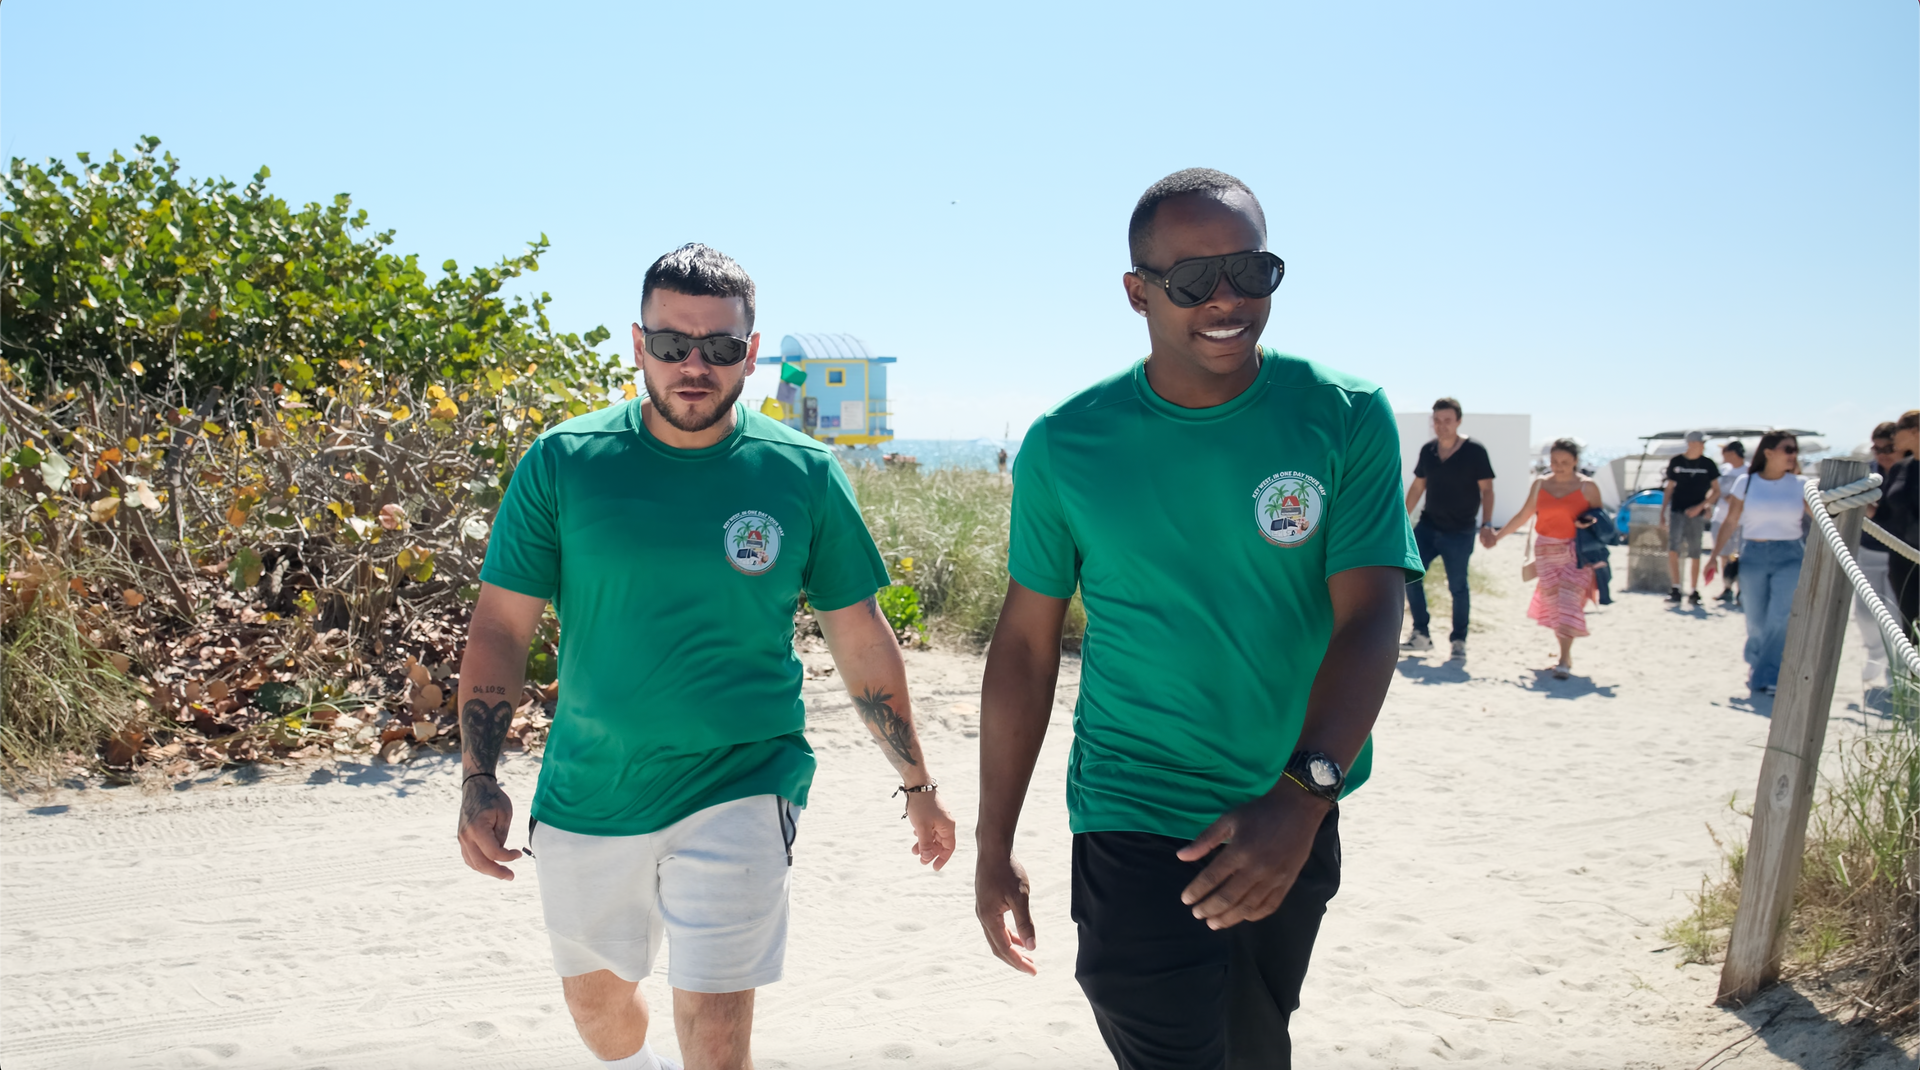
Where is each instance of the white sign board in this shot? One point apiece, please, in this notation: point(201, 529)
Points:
point(1506, 438)
point(853, 417)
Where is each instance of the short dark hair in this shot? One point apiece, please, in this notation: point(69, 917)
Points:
point(1737, 448)
point(699, 271)
point(1450, 403)
point(1201, 180)
point(1908, 421)
point(1883, 429)
point(1565, 445)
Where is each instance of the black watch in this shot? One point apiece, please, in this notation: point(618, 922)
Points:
point(1317, 773)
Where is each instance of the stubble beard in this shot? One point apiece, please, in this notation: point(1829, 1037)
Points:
point(692, 420)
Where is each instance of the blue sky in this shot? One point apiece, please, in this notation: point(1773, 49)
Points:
point(1618, 218)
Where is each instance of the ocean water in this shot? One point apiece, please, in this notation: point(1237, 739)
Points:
point(978, 453)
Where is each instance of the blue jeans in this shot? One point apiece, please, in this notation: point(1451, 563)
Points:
point(1769, 572)
point(1452, 548)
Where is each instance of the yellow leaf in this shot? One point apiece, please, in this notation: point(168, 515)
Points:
point(445, 409)
point(112, 456)
point(132, 445)
point(338, 510)
point(629, 390)
point(401, 413)
point(211, 428)
point(436, 391)
point(138, 368)
point(103, 510)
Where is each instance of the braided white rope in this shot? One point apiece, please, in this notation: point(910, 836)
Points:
point(1890, 540)
point(1862, 491)
point(1852, 496)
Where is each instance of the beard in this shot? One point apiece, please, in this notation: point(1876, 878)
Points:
point(692, 419)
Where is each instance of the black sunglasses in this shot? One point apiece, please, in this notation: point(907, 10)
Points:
point(1190, 282)
point(720, 350)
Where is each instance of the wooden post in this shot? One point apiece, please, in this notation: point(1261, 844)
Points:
point(1792, 759)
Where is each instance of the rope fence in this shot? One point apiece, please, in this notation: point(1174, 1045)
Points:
point(1862, 492)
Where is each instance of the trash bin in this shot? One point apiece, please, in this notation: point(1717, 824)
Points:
point(1647, 548)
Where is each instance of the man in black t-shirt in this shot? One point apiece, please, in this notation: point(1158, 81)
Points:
point(1692, 486)
point(1456, 477)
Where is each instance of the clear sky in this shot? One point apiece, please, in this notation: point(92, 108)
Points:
point(1618, 218)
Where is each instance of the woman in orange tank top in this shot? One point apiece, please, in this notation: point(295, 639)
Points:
point(1560, 596)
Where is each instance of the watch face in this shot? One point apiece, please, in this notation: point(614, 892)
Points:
point(1322, 772)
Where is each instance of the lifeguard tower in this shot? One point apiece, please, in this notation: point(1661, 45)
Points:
point(833, 388)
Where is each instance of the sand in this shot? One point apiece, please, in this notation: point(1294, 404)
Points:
point(1508, 873)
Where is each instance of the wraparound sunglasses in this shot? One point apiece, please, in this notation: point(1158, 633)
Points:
point(720, 350)
point(1190, 282)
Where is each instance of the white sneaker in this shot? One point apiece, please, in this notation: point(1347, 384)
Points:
point(1460, 649)
point(1417, 641)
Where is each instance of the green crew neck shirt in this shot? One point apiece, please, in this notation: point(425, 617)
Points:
point(675, 575)
point(1201, 541)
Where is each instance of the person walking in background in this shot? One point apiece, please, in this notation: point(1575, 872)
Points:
point(1872, 558)
point(1898, 511)
point(1733, 457)
point(1767, 507)
point(1561, 500)
point(1691, 488)
point(1456, 477)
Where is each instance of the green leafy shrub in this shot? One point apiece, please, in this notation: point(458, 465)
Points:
point(900, 604)
point(126, 270)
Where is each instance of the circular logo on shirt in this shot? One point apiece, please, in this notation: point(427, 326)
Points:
point(1287, 507)
point(752, 541)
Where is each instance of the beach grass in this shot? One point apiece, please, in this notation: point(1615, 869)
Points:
point(1856, 914)
point(63, 695)
point(944, 533)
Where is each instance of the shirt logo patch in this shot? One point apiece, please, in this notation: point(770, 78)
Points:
point(751, 541)
point(1287, 507)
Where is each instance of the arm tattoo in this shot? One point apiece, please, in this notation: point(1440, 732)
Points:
point(483, 731)
point(872, 606)
point(892, 729)
point(490, 689)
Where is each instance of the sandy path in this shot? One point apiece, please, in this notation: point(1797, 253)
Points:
point(320, 917)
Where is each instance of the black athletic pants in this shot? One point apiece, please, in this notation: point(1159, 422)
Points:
point(1170, 993)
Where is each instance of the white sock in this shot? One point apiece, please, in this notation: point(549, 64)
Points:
point(644, 1059)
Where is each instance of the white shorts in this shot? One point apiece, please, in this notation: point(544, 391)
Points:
point(713, 883)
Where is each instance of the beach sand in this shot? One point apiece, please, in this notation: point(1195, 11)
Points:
point(1508, 871)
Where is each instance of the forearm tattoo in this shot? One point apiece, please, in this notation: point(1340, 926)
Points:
point(892, 729)
point(483, 731)
point(479, 795)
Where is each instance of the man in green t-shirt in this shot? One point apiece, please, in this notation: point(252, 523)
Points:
point(1232, 520)
point(675, 536)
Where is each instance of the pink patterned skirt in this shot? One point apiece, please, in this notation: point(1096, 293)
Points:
point(1560, 596)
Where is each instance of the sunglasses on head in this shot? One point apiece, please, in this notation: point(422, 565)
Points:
point(719, 350)
point(1190, 282)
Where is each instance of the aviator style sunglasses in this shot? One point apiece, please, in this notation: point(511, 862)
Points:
point(1190, 282)
point(720, 350)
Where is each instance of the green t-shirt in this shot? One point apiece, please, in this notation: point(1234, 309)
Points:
point(675, 574)
point(1201, 541)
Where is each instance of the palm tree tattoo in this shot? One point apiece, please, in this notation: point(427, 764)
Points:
point(888, 725)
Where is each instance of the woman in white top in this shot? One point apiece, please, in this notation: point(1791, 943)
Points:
point(1767, 507)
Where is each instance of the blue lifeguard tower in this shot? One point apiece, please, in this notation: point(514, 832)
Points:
point(842, 398)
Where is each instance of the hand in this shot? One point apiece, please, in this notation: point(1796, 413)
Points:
point(1488, 537)
point(1713, 566)
point(1268, 841)
point(1695, 511)
point(933, 834)
point(1000, 886)
point(485, 815)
